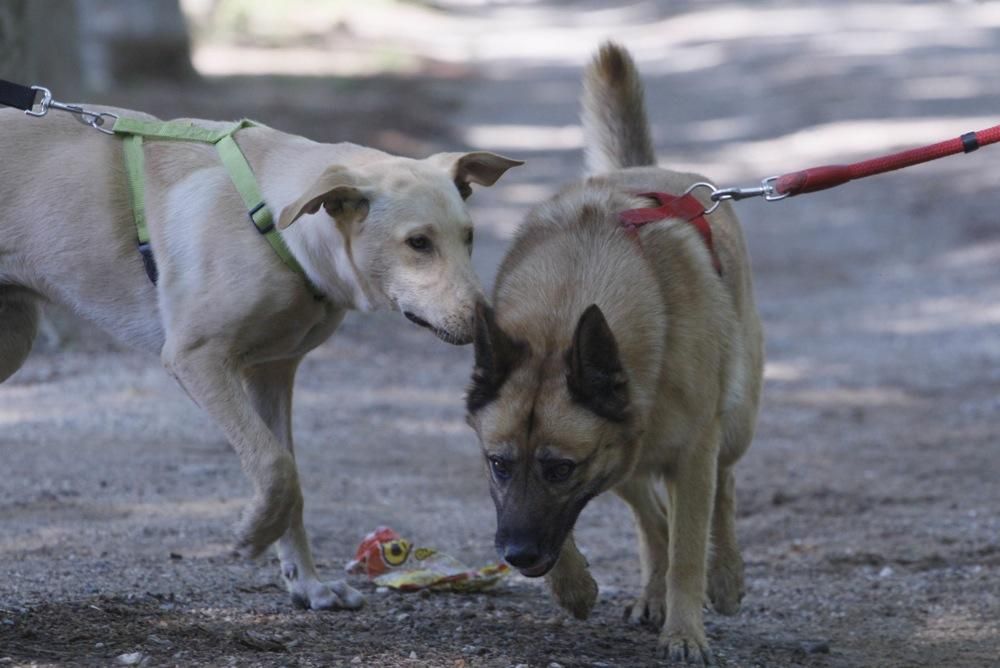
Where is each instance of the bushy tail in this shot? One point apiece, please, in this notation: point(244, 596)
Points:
point(615, 129)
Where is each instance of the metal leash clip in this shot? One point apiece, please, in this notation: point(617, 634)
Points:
point(766, 190)
point(720, 195)
point(95, 119)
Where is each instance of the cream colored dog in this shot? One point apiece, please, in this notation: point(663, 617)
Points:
point(230, 320)
point(619, 360)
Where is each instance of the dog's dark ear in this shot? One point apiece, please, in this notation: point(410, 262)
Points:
point(594, 375)
point(338, 191)
point(496, 356)
point(480, 167)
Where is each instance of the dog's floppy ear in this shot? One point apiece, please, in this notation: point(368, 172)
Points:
point(480, 167)
point(496, 356)
point(595, 376)
point(336, 191)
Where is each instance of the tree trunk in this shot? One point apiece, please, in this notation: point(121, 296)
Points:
point(78, 47)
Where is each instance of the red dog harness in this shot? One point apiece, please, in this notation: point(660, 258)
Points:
point(682, 207)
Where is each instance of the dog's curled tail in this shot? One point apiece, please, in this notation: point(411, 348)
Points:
point(615, 130)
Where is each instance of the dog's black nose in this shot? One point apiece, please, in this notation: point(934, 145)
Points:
point(522, 555)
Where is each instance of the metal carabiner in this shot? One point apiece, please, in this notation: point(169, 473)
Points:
point(766, 190)
point(95, 119)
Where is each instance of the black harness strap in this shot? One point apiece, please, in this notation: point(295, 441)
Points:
point(17, 96)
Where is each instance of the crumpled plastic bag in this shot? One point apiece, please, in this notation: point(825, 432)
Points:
point(390, 560)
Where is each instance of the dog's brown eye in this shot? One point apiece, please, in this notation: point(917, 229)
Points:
point(419, 242)
point(558, 471)
point(500, 467)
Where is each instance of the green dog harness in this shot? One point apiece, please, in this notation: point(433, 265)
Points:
point(134, 131)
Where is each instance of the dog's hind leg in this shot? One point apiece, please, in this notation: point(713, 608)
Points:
point(725, 569)
point(571, 582)
point(19, 316)
point(270, 389)
point(654, 545)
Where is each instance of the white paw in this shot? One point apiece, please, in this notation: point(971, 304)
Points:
point(316, 595)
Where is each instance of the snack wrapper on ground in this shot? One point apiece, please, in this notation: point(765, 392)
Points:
point(390, 560)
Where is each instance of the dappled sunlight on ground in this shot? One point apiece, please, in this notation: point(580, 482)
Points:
point(951, 625)
point(843, 396)
point(940, 315)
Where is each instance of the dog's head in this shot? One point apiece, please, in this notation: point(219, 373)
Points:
point(556, 431)
point(395, 233)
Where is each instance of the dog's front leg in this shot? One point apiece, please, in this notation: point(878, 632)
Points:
point(691, 489)
point(654, 544)
point(571, 582)
point(211, 378)
point(270, 389)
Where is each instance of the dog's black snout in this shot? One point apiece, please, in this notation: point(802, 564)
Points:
point(522, 554)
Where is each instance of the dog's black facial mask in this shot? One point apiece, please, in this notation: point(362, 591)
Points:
point(536, 514)
point(537, 506)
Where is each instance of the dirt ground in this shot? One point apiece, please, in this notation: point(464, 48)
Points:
point(869, 502)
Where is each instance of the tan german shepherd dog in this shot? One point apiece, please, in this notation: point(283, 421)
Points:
point(617, 360)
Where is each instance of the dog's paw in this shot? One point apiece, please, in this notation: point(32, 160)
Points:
point(577, 595)
point(725, 585)
point(684, 647)
point(650, 609)
point(277, 502)
point(316, 595)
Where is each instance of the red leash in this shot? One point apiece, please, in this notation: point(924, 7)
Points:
point(819, 178)
point(687, 208)
point(828, 176)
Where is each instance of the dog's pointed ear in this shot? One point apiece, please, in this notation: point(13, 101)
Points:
point(595, 375)
point(480, 167)
point(338, 191)
point(496, 356)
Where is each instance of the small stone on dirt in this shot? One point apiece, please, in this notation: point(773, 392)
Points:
point(260, 642)
point(818, 647)
point(131, 659)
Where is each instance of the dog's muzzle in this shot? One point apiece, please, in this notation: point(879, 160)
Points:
point(442, 334)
